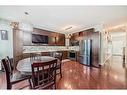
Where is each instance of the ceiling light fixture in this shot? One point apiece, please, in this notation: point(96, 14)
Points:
point(14, 25)
point(68, 28)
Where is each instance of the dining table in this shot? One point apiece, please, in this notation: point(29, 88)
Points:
point(24, 65)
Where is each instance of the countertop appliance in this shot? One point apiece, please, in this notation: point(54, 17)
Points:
point(86, 52)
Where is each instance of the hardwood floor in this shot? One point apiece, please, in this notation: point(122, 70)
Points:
point(113, 75)
point(77, 76)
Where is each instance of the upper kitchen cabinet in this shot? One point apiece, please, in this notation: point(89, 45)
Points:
point(74, 40)
point(54, 38)
point(78, 36)
point(74, 37)
point(60, 40)
point(51, 40)
point(57, 39)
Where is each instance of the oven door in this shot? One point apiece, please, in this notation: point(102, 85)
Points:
point(72, 55)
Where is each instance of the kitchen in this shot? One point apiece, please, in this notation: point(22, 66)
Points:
point(82, 46)
point(70, 51)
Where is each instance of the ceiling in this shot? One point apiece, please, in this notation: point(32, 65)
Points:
point(60, 18)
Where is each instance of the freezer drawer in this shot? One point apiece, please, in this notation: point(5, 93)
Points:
point(85, 59)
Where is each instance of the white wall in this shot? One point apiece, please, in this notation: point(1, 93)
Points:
point(6, 46)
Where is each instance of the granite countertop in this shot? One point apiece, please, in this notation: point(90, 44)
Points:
point(31, 49)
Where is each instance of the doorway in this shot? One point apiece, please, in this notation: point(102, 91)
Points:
point(118, 43)
point(118, 48)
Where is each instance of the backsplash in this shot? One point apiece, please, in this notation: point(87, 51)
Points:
point(31, 49)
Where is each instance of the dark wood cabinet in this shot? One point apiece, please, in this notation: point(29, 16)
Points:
point(86, 34)
point(74, 37)
point(60, 40)
point(95, 48)
point(74, 40)
point(51, 41)
point(24, 38)
point(54, 39)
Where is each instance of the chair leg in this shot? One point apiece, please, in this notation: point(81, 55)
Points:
point(55, 86)
point(9, 86)
point(60, 72)
point(55, 80)
point(29, 80)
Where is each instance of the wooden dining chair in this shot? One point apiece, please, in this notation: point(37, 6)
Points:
point(59, 56)
point(11, 62)
point(13, 78)
point(44, 75)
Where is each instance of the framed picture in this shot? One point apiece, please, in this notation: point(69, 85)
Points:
point(4, 34)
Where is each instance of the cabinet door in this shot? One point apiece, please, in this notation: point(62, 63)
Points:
point(60, 40)
point(95, 48)
point(74, 39)
point(65, 54)
point(57, 40)
point(51, 41)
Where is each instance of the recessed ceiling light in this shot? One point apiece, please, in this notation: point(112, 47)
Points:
point(26, 13)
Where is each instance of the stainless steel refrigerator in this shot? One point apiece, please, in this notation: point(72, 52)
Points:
point(86, 52)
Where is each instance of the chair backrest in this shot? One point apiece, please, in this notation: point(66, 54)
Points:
point(8, 70)
point(43, 74)
point(10, 62)
point(58, 55)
